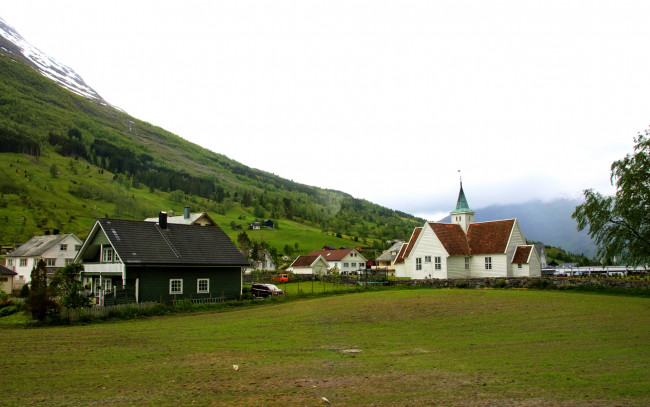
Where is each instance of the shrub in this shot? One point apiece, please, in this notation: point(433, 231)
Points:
point(461, 284)
point(501, 284)
point(539, 284)
point(11, 309)
point(24, 291)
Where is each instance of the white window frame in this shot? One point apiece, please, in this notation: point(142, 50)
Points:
point(438, 263)
point(77, 247)
point(50, 262)
point(418, 263)
point(69, 261)
point(23, 262)
point(175, 290)
point(427, 259)
point(353, 265)
point(346, 265)
point(107, 284)
point(198, 286)
point(488, 263)
point(105, 255)
point(466, 263)
point(10, 262)
point(519, 265)
point(63, 247)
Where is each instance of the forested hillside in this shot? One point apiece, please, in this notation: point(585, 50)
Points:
point(65, 160)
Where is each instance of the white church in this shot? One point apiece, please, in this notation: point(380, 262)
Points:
point(464, 248)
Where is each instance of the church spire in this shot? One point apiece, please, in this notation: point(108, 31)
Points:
point(462, 215)
point(461, 205)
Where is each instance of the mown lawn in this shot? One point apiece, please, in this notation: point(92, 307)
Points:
point(417, 347)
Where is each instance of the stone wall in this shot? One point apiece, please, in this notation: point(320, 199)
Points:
point(526, 282)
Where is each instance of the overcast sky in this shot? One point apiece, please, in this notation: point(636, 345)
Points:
point(385, 100)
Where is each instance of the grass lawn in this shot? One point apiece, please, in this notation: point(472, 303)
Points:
point(417, 347)
point(316, 287)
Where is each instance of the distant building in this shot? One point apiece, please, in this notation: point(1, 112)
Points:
point(56, 250)
point(187, 218)
point(346, 260)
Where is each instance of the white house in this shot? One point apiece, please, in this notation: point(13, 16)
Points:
point(56, 250)
point(187, 218)
point(316, 265)
point(264, 262)
point(465, 248)
point(345, 260)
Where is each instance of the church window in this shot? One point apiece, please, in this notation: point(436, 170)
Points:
point(418, 263)
point(488, 263)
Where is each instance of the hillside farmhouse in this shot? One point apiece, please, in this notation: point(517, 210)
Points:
point(345, 260)
point(56, 250)
point(161, 261)
point(464, 248)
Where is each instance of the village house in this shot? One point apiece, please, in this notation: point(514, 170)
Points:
point(55, 249)
point(6, 279)
point(264, 261)
point(315, 265)
point(345, 260)
point(159, 261)
point(187, 218)
point(465, 248)
point(386, 261)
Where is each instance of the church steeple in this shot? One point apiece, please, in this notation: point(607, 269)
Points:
point(462, 215)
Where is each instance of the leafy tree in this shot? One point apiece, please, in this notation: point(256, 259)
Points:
point(620, 224)
point(67, 282)
point(244, 242)
point(39, 302)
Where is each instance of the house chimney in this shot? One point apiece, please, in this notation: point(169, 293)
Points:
point(162, 220)
point(186, 213)
point(55, 231)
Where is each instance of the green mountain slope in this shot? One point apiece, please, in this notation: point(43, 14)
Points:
point(65, 160)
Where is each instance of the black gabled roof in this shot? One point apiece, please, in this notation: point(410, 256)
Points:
point(140, 242)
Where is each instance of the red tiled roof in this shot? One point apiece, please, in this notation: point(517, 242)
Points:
point(452, 238)
point(332, 255)
point(406, 249)
point(400, 255)
point(522, 253)
point(489, 237)
point(304, 261)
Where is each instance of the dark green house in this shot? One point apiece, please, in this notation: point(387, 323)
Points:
point(160, 261)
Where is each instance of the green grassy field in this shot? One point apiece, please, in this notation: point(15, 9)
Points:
point(416, 347)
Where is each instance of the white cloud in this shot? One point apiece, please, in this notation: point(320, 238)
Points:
point(383, 100)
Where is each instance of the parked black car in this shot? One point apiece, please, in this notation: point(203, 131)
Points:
point(265, 290)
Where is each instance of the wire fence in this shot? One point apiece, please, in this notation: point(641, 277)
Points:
point(103, 312)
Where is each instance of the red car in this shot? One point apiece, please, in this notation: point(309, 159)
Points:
point(281, 278)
